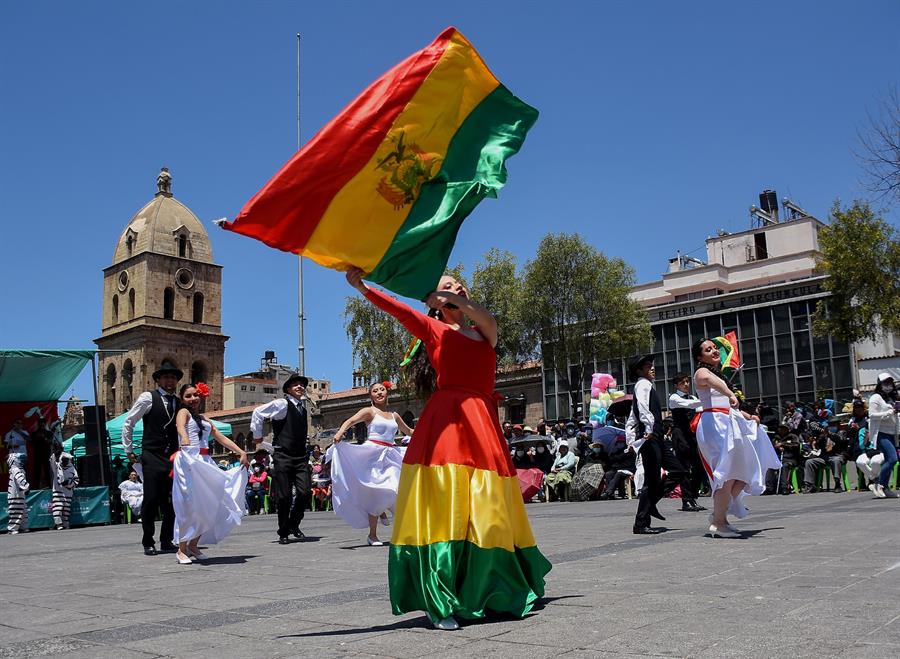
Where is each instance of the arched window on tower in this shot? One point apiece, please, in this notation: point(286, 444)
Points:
point(129, 243)
point(110, 389)
point(115, 309)
point(128, 381)
point(200, 373)
point(182, 245)
point(169, 303)
point(198, 308)
point(131, 304)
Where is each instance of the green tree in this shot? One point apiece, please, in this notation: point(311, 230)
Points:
point(378, 340)
point(879, 148)
point(578, 306)
point(497, 285)
point(860, 253)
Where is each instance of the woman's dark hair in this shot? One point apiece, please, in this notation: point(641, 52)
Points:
point(888, 397)
point(696, 351)
point(419, 371)
point(195, 415)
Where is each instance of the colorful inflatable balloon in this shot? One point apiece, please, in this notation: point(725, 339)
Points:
point(601, 397)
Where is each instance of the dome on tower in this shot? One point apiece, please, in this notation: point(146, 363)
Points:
point(164, 226)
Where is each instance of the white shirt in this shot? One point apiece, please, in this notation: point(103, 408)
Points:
point(642, 395)
point(140, 408)
point(679, 400)
point(15, 441)
point(882, 417)
point(274, 410)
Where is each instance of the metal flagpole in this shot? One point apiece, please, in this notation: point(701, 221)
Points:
point(301, 348)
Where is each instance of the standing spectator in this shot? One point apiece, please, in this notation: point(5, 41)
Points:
point(883, 428)
point(767, 416)
point(507, 431)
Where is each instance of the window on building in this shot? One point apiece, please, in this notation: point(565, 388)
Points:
point(131, 304)
point(243, 387)
point(115, 309)
point(169, 303)
point(129, 243)
point(199, 372)
point(198, 308)
point(759, 242)
point(764, 322)
point(111, 389)
point(252, 387)
point(182, 245)
point(269, 390)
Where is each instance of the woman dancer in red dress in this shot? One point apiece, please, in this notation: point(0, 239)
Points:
point(462, 542)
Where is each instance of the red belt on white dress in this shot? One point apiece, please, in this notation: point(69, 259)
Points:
point(204, 451)
point(696, 420)
point(380, 443)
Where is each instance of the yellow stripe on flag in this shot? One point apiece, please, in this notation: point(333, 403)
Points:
point(371, 208)
point(440, 503)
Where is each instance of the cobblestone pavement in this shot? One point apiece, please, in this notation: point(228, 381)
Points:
point(817, 575)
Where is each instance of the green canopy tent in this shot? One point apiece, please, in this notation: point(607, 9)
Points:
point(39, 375)
point(75, 444)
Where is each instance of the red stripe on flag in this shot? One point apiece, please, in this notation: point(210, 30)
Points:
point(338, 151)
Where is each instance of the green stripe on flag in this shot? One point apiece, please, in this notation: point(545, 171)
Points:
point(473, 169)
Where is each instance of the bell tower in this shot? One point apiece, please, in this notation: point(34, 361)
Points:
point(162, 303)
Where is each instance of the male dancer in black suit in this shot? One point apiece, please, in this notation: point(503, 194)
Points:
point(644, 432)
point(291, 473)
point(683, 407)
point(158, 409)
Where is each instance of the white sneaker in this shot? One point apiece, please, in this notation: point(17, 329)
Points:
point(879, 491)
point(873, 487)
point(722, 532)
point(447, 624)
point(13, 532)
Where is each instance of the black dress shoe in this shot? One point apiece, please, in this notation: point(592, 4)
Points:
point(283, 541)
point(654, 512)
point(691, 507)
point(297, 533)
point(646, 530)
point(150, 551)
point(168, 547)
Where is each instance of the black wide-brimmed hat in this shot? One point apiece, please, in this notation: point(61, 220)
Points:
point(295, 378)
point(167, 369)
point(638, 362)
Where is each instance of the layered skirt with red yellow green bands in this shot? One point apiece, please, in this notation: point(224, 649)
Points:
point(462, 543)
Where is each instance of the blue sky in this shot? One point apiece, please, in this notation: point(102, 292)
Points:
point(660, 123)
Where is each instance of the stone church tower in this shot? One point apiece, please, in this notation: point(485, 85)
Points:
point(162, 304)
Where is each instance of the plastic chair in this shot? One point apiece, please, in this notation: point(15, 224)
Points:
point(266, 509)
point(824, 477)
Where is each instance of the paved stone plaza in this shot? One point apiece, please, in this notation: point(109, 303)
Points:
point(818, 575)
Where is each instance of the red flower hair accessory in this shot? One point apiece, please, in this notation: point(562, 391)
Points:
point(387, 385)
point(202, 389)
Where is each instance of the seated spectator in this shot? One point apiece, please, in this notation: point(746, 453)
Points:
point(870, 458)
point(837, 454)
point(561, 472)
point(518, 431)
point(618, 465)
point(131, 492)
point(507, 431)
point(321, 479)
point(794, 419)
point(257, 487)
point(814, 451)
point(788, 446)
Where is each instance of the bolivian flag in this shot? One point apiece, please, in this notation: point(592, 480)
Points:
point(729, 357)
point(386, 184)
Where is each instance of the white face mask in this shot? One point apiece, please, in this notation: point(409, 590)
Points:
point(887, 387)
point(540, 449)
point(519, 454)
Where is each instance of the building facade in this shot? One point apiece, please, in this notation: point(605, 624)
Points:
point(161, 304)
point(762, 284)
point(263, 385)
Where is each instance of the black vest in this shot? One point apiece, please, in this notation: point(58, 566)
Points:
point(160, 434)
point(290, 432)
point(681, 419)
point(655, 410)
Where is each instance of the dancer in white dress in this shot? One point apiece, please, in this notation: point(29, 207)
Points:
point(735, 448)
point(208, 501)
point(365, 477)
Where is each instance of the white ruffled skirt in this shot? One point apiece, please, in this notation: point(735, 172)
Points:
point(734, 448)
point(364, 480)
point(208, 502)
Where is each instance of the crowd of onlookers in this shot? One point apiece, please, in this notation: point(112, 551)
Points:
point(823, 448)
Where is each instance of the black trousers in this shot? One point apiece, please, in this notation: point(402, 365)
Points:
point(689, 456)
point(652, 492)
point(677, 474)
point(157, 497)
point(291, 480)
